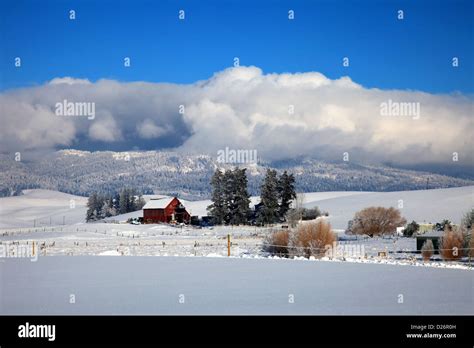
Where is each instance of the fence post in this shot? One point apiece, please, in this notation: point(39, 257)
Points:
point(228, 244)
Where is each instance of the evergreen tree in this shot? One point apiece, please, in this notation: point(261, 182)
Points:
point(99, 212)
point(101, 206)
point(228, 187)
point(269, 198)
point(91, 207)
point(140, 202)
point(94, 207)
point(230, 197)
point(286, 192)
point(124, 201)
point(218, 208)
point(107, 209)
point(95, 215)
point(241, 198)
point(116, 202)
point(132, 206)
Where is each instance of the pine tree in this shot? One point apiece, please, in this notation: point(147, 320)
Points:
point(230, 197)
point(99, 212)
point(228, 188)
point(94, 207)
point(286, 192)
point(116, 202)
point(241, 197)
point(107, 209)
point(124, 201)
point(131, 201)
point(269, 198)
point(140, 203)
point(217, 209)
point(91, 205)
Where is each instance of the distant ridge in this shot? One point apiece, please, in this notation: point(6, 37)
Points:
point(188, 175)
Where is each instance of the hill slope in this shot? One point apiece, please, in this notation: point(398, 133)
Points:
point(423, 205)
point(171, 173)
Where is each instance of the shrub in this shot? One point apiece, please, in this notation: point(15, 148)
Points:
point(375, 221)
point(451, 244)
point(294, 215)
point(311, 238)
point(411, 229)
point(427, 250)
point(311, 214)
point(468, 220)
point(468, 241)
point(277, 243)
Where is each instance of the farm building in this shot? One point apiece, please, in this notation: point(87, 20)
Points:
point(165, 210)
point(433, 235)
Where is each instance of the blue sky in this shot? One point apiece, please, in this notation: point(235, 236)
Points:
point(384, 52)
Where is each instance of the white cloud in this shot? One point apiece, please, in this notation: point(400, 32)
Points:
point(28, 125)
point(69, 81)
point(244, 108)
point(105, 129)
point(149, 130)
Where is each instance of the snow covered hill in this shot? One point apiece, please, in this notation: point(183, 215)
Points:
point(41, 208)
point(186, 175)
point(421, 206)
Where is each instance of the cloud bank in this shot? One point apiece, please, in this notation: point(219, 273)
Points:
point(282, 116)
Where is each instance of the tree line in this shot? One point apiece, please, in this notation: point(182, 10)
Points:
point(100, 206)
point(231, 200)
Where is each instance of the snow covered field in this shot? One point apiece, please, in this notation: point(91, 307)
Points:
point(421, 206)
point(166, 240)
point(43, 207)
point(197, 285)
point(19, 215)
point(249, 282)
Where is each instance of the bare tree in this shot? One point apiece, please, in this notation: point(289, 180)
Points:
point(276, 243)
point(311, 239)
point(376, 221)
point(295, 214)
point(427, 250)
point(451, 244)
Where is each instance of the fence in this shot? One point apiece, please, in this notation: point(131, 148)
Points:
point(220, 247)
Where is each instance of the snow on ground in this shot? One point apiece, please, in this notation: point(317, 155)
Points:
point(79, 238)
point(421, 206)
point(167, 240)
point(99, 238)
point(195, 285)
point(127, 239)
point(41, 208)
point(248, 282)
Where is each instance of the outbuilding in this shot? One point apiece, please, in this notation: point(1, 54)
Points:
point(165, 210)
point(434, 236)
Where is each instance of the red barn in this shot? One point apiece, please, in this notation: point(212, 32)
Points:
point(165, 210)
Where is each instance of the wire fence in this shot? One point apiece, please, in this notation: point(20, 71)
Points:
point(205, 247)
point(209, 243)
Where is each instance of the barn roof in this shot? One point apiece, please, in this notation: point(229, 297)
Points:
point(160, 203)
